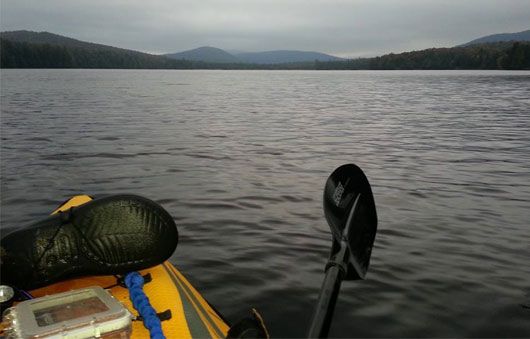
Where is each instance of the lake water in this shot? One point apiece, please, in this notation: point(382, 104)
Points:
point(240, 158)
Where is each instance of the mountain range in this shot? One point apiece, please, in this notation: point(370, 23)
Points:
point(204, 54)
point(26, 49)
point(217, 55)
point(212, 54)
point(519, 36)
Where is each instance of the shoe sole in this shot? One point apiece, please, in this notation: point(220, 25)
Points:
point(112, 235)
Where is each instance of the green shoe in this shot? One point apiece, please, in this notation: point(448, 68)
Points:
point(111, 235)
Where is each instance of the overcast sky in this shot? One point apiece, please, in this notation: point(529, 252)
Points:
point(347, 28)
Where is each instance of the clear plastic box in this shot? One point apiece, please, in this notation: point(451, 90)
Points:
point(85, 313)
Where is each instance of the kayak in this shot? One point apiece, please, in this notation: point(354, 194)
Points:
point(134, 237)
point(183, 311)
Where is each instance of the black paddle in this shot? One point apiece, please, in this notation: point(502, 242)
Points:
point(349, 208)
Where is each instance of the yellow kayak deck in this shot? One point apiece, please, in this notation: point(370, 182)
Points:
point(191, 315)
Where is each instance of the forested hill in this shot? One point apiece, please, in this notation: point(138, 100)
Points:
point(52, 39)
point(25, 49)
point(500, 55)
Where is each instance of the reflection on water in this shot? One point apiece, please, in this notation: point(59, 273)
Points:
point(240, 158)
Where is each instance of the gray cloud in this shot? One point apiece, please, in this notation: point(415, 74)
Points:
point(346, 28)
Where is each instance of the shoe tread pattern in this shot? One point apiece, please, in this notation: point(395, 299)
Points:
point(113, 235)
point(125, 231)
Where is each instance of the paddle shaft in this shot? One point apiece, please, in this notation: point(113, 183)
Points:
point(329, 292)
point(335, 272)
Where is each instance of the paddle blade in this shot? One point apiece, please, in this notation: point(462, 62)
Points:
point(349, 208)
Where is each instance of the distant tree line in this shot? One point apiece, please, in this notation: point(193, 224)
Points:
point(483, 56)
point(518, 57)
point(503, 55)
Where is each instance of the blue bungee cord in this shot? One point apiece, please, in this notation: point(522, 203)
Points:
point(134, 282)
